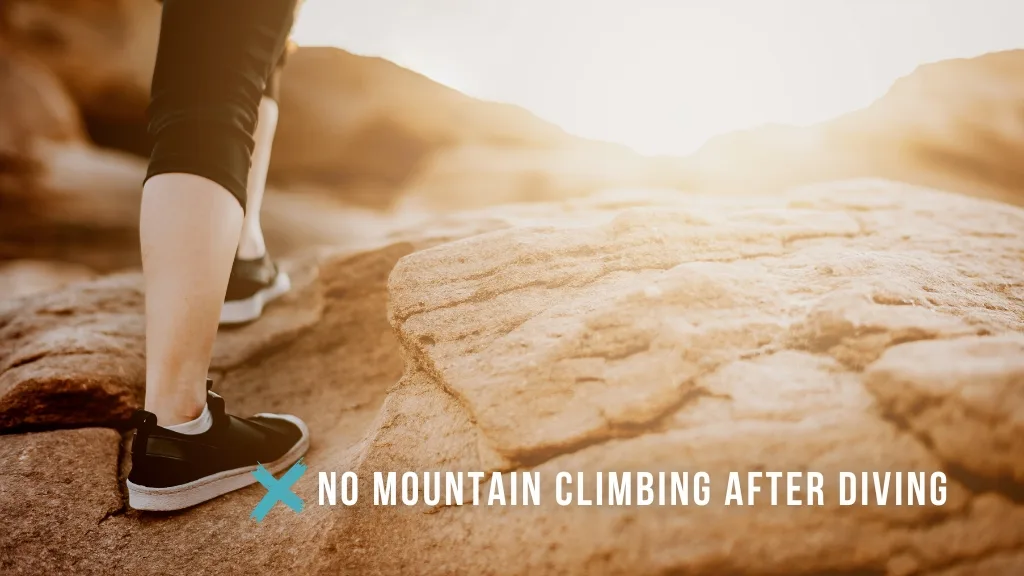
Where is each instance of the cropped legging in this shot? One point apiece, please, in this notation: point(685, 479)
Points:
point(215, 60)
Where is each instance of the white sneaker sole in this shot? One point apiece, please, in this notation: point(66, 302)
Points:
point(242, 311)
point(199, 491)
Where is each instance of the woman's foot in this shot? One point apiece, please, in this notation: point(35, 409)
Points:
point(252, 285)
point(174, 470)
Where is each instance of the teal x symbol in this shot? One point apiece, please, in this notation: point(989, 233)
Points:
point(278, 490)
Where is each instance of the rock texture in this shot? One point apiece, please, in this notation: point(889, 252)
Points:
point(77, 357)
point(74, 357)
point(25, 277)
point(334, 372)
point(968, 407)
point(56, 490)
point(851, 327)
point(795, 334)
point(854, 326)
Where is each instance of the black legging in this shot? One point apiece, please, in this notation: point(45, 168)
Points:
point(214, 61)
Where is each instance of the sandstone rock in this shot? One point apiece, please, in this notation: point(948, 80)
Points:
point(73, 357)
point(102, 50)
point(333, 373)
point(81, 206)
point(36, 106)
point(587, 321)
point(719, 335)
point(628, 333)
point(36, 111)
point(56, 491)
point(25, 277)
point(969, 407)
point(76, 357)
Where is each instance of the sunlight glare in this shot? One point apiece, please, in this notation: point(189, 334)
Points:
point(663, 76)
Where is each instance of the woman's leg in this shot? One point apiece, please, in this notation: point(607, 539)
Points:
point(251, 245)
point(255, 279)
point(214, 59)
point(189, 231)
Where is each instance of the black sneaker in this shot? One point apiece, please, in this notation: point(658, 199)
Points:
point(171, 471)
point(253, 283)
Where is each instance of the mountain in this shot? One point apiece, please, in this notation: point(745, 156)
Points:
point(956, 124)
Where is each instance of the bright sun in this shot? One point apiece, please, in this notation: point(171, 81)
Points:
point(663, 76)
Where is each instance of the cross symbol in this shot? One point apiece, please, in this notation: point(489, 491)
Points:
point(278, 490)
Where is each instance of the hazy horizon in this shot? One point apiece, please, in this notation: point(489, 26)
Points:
point(665, 76)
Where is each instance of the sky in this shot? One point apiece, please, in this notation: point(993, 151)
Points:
point(664, 76)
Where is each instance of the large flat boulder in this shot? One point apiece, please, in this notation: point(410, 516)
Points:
point(862, 326)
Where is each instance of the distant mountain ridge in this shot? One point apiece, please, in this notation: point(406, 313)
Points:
point(955, 124)
point(351, 122)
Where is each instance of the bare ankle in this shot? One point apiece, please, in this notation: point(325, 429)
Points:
point(251, 246)
point(171, 411)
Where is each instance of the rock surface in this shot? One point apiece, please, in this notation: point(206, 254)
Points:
point(24, 277)
point(103, 50)
point(36, 112)
point(80, 206)
point(73, 357)
point(56, 490)
point(850, 327)
point(36, 106)
point(721, 335)
point(968, 407)
point(334, 373)
point(77, 357)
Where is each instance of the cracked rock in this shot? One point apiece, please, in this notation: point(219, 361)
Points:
point(719, 334)
point(965, 396)
point(806, 332)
